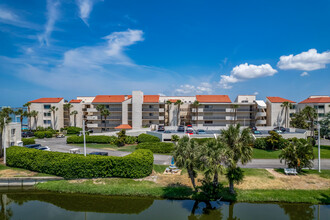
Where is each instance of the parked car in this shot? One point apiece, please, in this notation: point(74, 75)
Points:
point(33, 145)
point(278, 131)
point(253, 128)
point(26, 134)
point(201, 131)
point(283, 129)
point(189, 126)
point(167, 131)
point(181, 128)
point(45, 148)
point(60, 136)
point(256, 132)
point(189, 131)
point(99, 153)
point(161, 128)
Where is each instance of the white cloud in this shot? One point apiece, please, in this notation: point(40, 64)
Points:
point(256, 93)
point(304, 74)
point(161, 94)
point(307, 61)
point(85, 8)
point(10, 17)
point(7, 15)
point(244, 72)
point(187, 89)
point(52, 16)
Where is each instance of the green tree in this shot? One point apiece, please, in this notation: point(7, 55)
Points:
point(53, 110)
point(298, 155)
point(185, 156)
point(178, 103)
point(274, 139)
point(34, 115)
point(4, 119)
point(28, 105)
point(325, 125)
point(286, 106)
point(235, 107)
point(100, 108)
point(67, 107)
point(21, 113)
point(175, 138)
point(196, 104)
point(168, 103)
point(105, 113)
point(311, 116)
point(298, 120)
point(239, 144)
point(74, 113)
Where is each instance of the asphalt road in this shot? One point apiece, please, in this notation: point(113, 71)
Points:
point(59, 144)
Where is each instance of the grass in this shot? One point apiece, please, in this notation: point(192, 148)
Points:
point(325, 151)
point(324, 173)
point(129, 187)
point(129, 148)
point(257, 173)
point(159, 168)
point(4, 167)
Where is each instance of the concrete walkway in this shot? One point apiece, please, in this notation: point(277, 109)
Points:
point(59, 144)
point(25, 181)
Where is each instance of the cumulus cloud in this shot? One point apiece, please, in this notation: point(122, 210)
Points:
point(304, 74)
point(244, 72)
point(52, 16)
point(85, 8)
point(307, 61)
point(187, 89)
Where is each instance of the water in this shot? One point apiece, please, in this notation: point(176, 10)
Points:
point(30, 204)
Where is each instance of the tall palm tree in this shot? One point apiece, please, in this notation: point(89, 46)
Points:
point(286, 106)
point(74, 113)
point(178, 103)
point(235, 107)
point(239, 146)
point(53, 110)
point(105, 113)
point(67, 107)
point(34, 115)
point(168, 103)
point(196, 104)
point(28, 105)
point(185, 156)
point(100, 108)
point(4, 119)
point(311, 115)
point(21, 114)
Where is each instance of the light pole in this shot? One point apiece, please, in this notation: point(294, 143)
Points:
point(84, 137)
point(319, 145)
point(4, 140)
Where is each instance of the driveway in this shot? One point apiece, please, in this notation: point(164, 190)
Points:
point(59, 144)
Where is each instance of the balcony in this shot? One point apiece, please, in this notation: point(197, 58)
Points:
point(229, 110)
point(91, 117)
point(214, 110)
point(151, 117)
point(91, 110)
point(260, 122)
point(92, 125)
point(150, 109)
point(199, 110)
point(260, 114)
point(244, 110)
point(194, 118)
point(161, 118)
point(161, 110)
point(230, 118)
point(115, 109)
point(214, 117)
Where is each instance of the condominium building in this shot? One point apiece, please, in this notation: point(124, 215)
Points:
point(275, 111)
point(320, 103)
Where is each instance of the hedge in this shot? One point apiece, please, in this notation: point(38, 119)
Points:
point(101, 139)
point(27, 141)
point(43, 134)
point(147, 138)
point(72, 130)
point(135, 165)
point(202, 140)
point(157, 147)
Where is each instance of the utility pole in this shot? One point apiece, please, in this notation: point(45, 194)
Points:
point(84, 136)
point(319, 145)
point(4, 140)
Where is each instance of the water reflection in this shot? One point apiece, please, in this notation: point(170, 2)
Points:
point(44, 205)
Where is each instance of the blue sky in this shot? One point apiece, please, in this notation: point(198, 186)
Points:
point(63, 48)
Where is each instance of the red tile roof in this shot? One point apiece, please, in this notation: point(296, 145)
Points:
point(278, 100)
point(151, 98)
point(47, 100)
point(213, 98)
point(123, 126)
point(316, 100)
point(109, 98)
point(75, 101)
point(173, 100)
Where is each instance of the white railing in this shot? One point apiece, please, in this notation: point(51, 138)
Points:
point(91, 110)
point(260, 122)
point(92, 125)
point(261, 114)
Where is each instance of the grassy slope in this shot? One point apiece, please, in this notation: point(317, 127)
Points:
point(4, 167)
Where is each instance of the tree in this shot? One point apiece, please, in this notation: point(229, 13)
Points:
point(235, 107)
point(185, 156)
point(298, 120)
point(286, 106)
point(34, 115)
point(178, 103)
point(325, 125)
point(196, 104)
point(28, 105)
point(21, 114)
point(53, 110)
point(168, 103)
point(67, 107)
point(298, 154)
point(74, 113)
point(239, 144)
point(175, 138)
point(105, 113)
point(100, 108)
point(4, 119)
point(311, 116)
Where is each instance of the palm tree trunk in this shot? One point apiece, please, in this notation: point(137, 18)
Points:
point(231, 187)
point(215, 179)
point(35, 123)
point(192, 178)
point(105, 122)
point(197, 117)
point(74, 118)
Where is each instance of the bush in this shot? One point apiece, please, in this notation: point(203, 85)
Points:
point(135, 165)
point(72, 130)
point(201, 141)
point(260, 143)
point(147, 138)
point(43, 134)
point(39, 128)
point(101, 139)
point(27, 141)
point(157, 147)
point(130, 140)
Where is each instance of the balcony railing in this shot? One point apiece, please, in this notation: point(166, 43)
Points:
point(150, 117)
point(150, 109)
point(261, 114)
point(115, 109)
point(214, 110)
point(215, 117)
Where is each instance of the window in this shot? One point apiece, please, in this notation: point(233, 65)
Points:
point(150, 106)
point(47, 114)
point(321, 106)
point(293, 107)
point(151, 114)
point(107, 106)
point(208, 106)
point(13, 132)
point(47, 122)
point(245, 101)
point(321, 114)
point(47, 106)
point(291, 115)
point(208, 122)
point(316, 107)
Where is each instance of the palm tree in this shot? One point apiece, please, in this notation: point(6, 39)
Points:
point(4, 119)
point(286, 105)
point(238, 143)
point(178, 103)
point(28, 105)
point(311, 116)
point(168, 103)
point(105, 113)
point(53, 109)
point(100, 108)
point(34, 114)
point(185, 156)
point(21, 114)
point(196, 104)
point(235, 107)
point(67, 107)
point(74, 113)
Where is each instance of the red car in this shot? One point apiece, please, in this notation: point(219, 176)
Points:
point(189, 131)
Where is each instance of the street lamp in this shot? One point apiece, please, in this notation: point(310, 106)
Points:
point(4, 140)
point(84, 136)
point(319, 145)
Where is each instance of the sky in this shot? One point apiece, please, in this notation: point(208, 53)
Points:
point(70, 48)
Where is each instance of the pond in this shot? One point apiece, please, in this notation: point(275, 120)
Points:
point(30, 204)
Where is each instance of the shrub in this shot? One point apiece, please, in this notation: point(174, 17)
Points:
point(157, 147)
point(147, 138)
point(72, 130)
point(101, 139)
point(27, 141)
point(43, 134)
point(135, 165)
point(260, 143)
point(121, 138)
point(175, 138)
point(201, 141)
point(130, 140)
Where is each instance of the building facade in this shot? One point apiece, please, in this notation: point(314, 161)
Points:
point(320, 103)
point(276, 114)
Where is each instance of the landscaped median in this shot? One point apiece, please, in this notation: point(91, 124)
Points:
point(135, 165)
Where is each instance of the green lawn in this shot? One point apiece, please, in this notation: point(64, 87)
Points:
point(129, 148)
point(270, 154)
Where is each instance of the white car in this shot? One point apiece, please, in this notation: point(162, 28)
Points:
point(46, 148)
